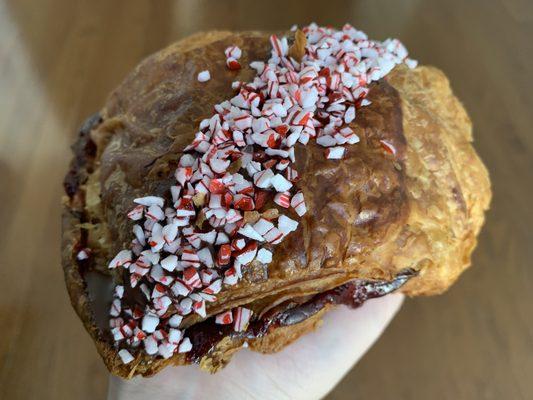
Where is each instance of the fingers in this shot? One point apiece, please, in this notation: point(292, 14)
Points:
point(311, 367)
point(307, 369)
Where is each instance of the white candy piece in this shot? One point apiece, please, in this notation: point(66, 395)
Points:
point(174, 336)
point(280, 183)
point(199, 308)
point(115, 308)
point(349, 116)
point(150, 257)
point(205, 257)
point(136, 214)
point(219, 166)
point(326, 141)
point(230, 279)
point(125, 356)
point(248, 231)
point(262, 226)
point(169, 263)
point(286, 224)
point(119, 291)
point(175, 193)
point(117, 334)
point(335, 153)
point(149, 323)
point(170, 232)
point(186, 305)
point(175, 320)
point(411, 63)
point(264, 256)
point(166, 350)
point(150, 345)
point(185, 346)
point(222, 238)
point(233, 51)
point(82, 255)
point(150, 201)
point(204, 76)
point(138, 231)
point(298, 203)
point(161, 304)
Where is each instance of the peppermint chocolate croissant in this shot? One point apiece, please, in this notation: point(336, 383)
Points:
point(237, 186)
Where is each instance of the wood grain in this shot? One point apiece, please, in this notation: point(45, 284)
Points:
point(60, 58)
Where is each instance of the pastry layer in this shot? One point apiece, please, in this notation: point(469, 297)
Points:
point(371, 216)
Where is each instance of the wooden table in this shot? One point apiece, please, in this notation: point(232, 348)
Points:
point(59, 59)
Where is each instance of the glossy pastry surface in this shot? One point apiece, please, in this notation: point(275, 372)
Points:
point(410, 196)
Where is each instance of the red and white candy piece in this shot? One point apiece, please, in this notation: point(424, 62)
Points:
point(233, 64)
point(298, 203)
point(388, 147)
point(233, 51)
point(248, 231)
point(230, 277)
point(123, 258)
point(283, 199)
point(136, 213)
point(199, 308)
point(247, 255)
point(241, 318)
point(224, 318)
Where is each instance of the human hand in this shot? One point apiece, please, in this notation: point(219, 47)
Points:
point(306, 369)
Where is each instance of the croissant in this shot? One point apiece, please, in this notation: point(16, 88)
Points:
point(237, 186)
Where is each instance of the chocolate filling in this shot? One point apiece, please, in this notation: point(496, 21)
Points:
point(206, 335)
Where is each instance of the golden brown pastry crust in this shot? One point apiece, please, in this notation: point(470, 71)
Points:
point(370, 216)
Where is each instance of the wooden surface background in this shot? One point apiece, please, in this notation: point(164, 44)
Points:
point(60, 58)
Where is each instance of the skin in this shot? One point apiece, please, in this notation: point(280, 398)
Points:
point(307, 369)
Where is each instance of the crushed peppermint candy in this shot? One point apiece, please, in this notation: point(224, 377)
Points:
point(215, 222)
point(204, 76)
point(83, 254)
point(233, 53)
point(125, 356)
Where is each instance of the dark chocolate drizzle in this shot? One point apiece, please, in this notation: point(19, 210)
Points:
point(206, 335)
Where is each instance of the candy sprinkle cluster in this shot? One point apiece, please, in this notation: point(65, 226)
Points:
point(188, 250)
